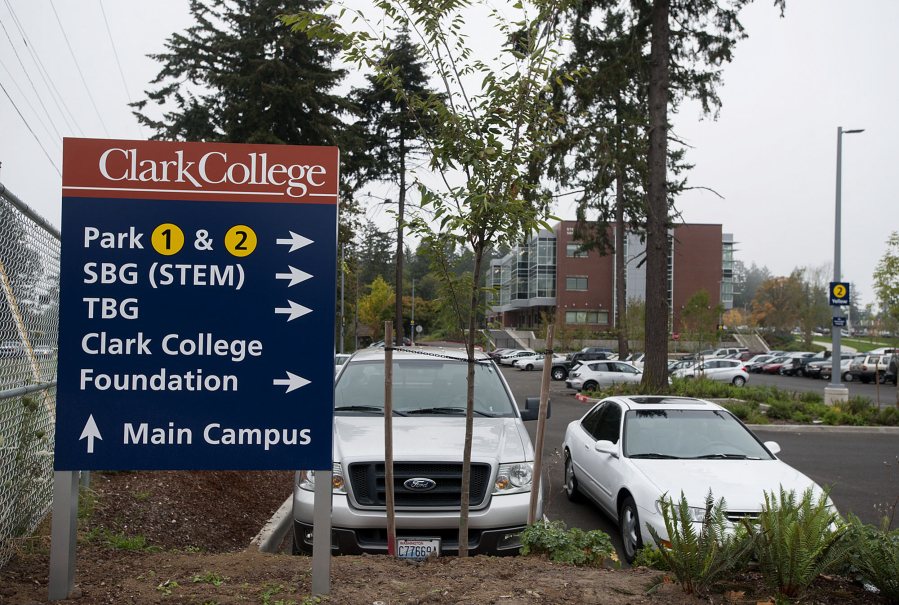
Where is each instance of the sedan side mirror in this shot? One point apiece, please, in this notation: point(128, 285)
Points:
point(773, 447)
point(531, 409)
point(606, 447)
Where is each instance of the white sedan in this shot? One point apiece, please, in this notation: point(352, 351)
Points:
point(510, 357)
point(535, 361)
point(628, 452)
point(592, 375)
point(722, 370)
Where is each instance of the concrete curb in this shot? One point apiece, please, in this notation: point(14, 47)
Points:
point(273, 533)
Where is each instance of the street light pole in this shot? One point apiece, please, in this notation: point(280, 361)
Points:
point(835, 391)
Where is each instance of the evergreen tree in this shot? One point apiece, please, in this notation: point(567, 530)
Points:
point(239, 76)
point(375, 257)
point(395, 136)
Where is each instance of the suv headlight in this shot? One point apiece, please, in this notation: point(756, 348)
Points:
point(514, 478)
point(307, 480)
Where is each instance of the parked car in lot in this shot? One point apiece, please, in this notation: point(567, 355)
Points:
point(864, 367)
point(823, 369)
point(628, 452)
point(535, 361)
point(339, 360)
point(429, 399)
point(680, 365)
point(495, 353)
point(795, 365)
point(722, 370)
point(892, 373)
point(729, 351)
point(561, 368)
point(772, 366)
point(701, 355)
point(744, 355)
point(754, 364)
point(509, 358)
point(593, 375)
point(636, 360)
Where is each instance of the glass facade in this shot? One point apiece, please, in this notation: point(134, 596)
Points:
point(587, 317)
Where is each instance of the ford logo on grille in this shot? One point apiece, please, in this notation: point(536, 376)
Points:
point(419, 484)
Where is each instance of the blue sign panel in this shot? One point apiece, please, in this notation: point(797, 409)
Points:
point(839, 322)
point(839, 294)
point(197, 318)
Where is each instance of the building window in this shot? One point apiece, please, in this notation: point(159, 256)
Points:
point(587, 317)
point(572, 250)
point(576, 282)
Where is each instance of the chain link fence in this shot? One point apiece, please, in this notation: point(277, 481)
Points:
point(29, 320)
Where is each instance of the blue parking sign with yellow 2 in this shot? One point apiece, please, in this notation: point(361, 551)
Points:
point(839, 294)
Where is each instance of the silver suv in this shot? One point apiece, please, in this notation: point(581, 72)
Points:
point(429, 400)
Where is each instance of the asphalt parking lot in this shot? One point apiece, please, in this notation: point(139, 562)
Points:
point(852, 462)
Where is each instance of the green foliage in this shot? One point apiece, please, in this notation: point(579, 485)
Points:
point(795, 541)
point(212, 578)
point(698, 560)
point(652, 558)
point(572, 546)
point(116, 540)
point(700, 319)
point(874, 555)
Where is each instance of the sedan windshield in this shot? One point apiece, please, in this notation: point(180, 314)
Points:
point(421, 386)
point(689, 434)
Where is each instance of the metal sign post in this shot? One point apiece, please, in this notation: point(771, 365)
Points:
point(197, 306)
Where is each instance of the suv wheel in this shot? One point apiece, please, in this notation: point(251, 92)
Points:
point(559, 374)
point(590, 386)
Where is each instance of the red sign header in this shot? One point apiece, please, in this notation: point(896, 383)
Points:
point(200, 171)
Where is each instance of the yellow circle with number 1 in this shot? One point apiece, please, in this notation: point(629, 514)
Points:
point(167, 239)
point(240, 240)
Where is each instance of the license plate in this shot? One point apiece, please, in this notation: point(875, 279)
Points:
point(417, 550)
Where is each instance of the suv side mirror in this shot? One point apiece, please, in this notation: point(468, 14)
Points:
point(531, 409)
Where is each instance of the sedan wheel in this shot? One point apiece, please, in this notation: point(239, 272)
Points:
point(571, 482)
point(529, 367)
point(739, 381)
point(847, 377)
point(629, 525)
point(559, 373)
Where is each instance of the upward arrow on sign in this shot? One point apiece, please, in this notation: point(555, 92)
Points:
point(90, 433)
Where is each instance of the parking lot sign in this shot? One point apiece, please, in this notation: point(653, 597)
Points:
point(197, 306)
point(839, 294)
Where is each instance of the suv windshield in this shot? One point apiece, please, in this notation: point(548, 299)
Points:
point(712, 434)
point(421, 386)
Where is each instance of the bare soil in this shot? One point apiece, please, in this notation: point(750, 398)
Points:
point(198, 526)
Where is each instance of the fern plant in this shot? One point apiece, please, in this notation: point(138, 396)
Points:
point(795, 541)
point(699, 559)
point(875, 555)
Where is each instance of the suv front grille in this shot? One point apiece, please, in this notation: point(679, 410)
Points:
point(367, 480)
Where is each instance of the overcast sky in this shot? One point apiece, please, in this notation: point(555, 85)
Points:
point(771, 154)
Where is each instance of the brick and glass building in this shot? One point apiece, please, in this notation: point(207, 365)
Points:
point(548, 273)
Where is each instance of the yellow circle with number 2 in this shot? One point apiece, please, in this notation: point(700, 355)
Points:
point(167, 239)
point(240, 240)
point(839, 291)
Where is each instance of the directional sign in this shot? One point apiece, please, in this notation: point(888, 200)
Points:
point(197, 306)
point(839, 294)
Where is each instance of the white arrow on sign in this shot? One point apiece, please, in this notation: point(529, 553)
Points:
point(295, 276)
point(294, 310)
point(292, 382)
point(295, 241)
point(90, 432)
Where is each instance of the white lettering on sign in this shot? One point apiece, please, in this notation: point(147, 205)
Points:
point(96, 343)
point(112, 240)
point(214, 434)
point(157, 436)
point(167, 274)
point(214, 168)
point(204, 345)
point(108, 273)
point(161, 381)
point(110, 309)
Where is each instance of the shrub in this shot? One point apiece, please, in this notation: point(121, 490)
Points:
point(794, 541)
point(698, 560)
point(572, 546)
point(858, 404)
point(651, 557)
point(874, 555)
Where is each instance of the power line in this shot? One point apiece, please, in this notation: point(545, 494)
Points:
point(32, 51)
point(29, 129)
point(16, 53)
point(30, 106)
point(116, 54)
point(78, 67)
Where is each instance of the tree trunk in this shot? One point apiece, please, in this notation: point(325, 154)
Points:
point(399, 242)
point(655, 369)
point(469, 407)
